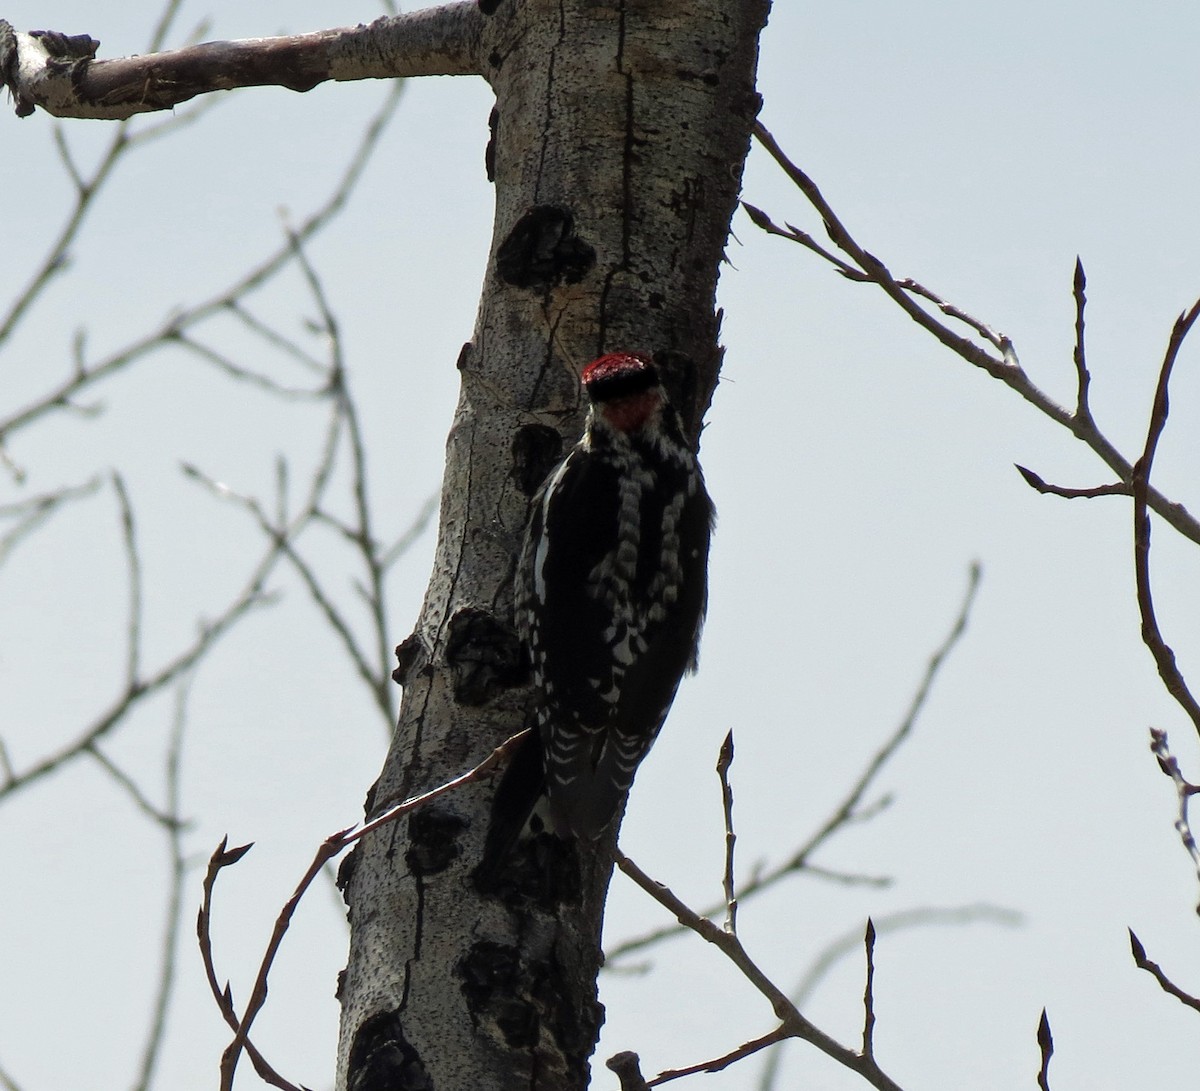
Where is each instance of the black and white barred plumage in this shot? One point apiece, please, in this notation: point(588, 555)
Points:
point(612, 591)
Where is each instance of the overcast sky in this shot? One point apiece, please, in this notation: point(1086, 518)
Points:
point(858, 468)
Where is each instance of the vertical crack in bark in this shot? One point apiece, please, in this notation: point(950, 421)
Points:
point(626, 190)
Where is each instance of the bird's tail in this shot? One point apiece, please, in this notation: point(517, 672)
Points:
point(521, 787)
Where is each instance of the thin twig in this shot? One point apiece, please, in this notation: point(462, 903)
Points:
point(7, 1082)
point(724, 762)
point(130, 787)
point(1083, 378)
point(225, 857)
point(1117, 488)
point(793, 1022)
point(251, 597)
point(241, 374)
point(57, 256)
point(1156, 971)
point(32, 512)
point(363, 537)
point(60, 397)
point(329, 848)
point(273, 337)
point(283, 539)
point(1005, 366)
point(133, 565)
point(415, 529)
point(868, 1036)
point(173, 913)
point(1184, 790)
point(850, 943)
point(1045, 1043)
point(1152, 636)
point(717, 1064)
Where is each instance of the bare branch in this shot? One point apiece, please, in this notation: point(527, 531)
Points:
point(717, 1064)
point(851, 943)
point(86, 189)
point(1184, 790)
point(1045, 1043)
point(334, 844)
point(1156, 971)
point(86, 375)
point(1118, 488)
point(362, 535)
point(32, 512)
point(1083, 379)
point(7, 1082)
point(251, 597)
point(133, 563)
point(61, 75)
point(996, 339)
point(868, 1037)
point(865, 267)
point(724, 762)
point(130, 787)
point(1152, 637)
point(222, 858)
point(173, 914)
point(242, 374)
point(415, 529)
point(793, 1023)
point(275, 339)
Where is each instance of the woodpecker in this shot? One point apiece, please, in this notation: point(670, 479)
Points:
point(612, 590)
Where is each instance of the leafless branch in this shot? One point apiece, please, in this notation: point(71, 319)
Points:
point(1118, 488)
point(133, 564)
point(1184, 790)
point(241, 374)
point(851, 942)
point(718, 1064)
point(415, 529)
point(134, 693)
point(330, 848)
point(225, 857)
point(1164, 657)
point(868, 1037)
point(1083, 378)
point(86, 375)
point(33, 511)
point(277, 340)
point(1156, 971)
point(7, 1082)
point(362, 535)
point(60, 74)
point(1002, 364)
point(724, 762)
point(851, 808)
point(792, 1023)
point(370, 656)
point(130, 786)
point(1046, 1048)
point(173, 823)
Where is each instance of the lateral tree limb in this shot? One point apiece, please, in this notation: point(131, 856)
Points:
point(60, 73)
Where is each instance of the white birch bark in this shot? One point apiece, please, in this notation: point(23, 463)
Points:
point(621, 130)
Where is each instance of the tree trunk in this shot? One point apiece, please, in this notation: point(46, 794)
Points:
point(619, 136)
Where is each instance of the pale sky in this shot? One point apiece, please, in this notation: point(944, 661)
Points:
point(858, 469)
